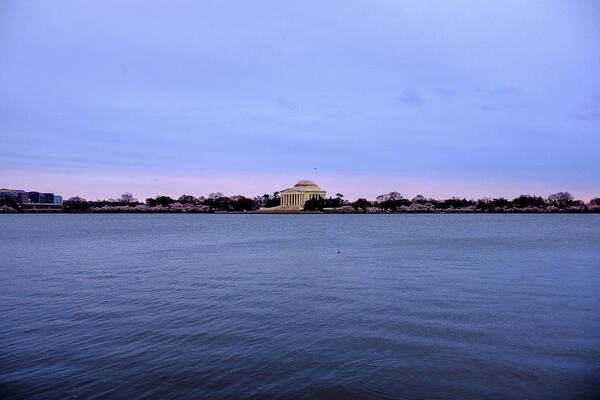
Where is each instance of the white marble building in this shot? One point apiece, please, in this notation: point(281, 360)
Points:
point(294, 198)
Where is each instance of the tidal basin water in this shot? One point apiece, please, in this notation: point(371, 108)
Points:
point(299, 306)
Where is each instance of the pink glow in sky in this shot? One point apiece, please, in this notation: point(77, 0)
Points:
point(470, 98)
point(100, 186)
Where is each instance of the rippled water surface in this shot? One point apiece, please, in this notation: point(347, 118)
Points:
point(299, 306)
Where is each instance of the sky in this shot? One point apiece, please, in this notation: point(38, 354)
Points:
point(440, 98)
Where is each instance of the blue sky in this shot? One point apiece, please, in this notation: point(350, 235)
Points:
point(442, 98)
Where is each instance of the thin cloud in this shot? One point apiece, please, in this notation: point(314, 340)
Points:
point(411, 97)
point(288, 104)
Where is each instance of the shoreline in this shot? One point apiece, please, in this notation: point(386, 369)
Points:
point(289, 212)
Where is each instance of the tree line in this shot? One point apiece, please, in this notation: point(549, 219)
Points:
point(395, 202)
point(389, 202)
point(214, 202)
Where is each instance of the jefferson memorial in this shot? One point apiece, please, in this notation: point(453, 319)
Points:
point(293, 199)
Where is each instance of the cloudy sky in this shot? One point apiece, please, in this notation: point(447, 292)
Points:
point(442, 98)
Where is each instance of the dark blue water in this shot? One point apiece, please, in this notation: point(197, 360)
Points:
point(300, 306)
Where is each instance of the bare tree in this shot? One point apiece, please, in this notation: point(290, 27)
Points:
point(561, 199)
point(419, 199)
point(259, 201)
point(214, 196)
point(394, 196)
point(127, 198)
point(188, 199)
point(391, 196)
point(76, 204)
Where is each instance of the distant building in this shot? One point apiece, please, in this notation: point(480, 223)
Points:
point(47, 198)
point(293, 199)
point(34, 197)
point(58, 200)
point(42, 198)
point(19, 195)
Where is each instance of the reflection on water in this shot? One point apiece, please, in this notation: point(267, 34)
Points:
point(299, 306)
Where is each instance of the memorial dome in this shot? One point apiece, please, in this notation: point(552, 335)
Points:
point(306, 184)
